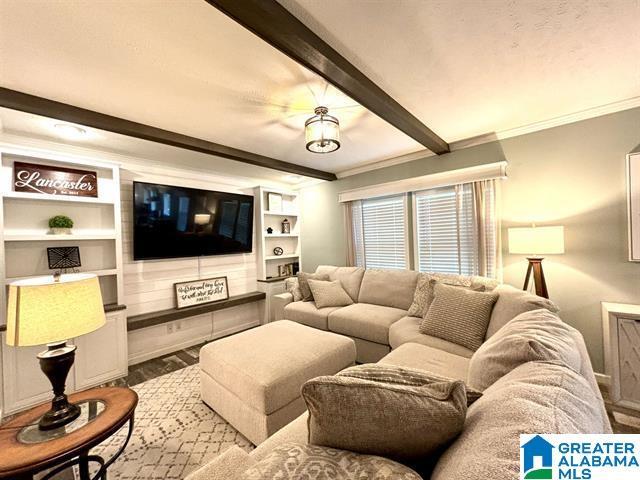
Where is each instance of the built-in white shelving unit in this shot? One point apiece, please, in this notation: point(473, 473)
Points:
point(24, 238)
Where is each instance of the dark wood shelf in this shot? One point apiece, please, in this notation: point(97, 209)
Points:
point(152, 319)
point(275, 279)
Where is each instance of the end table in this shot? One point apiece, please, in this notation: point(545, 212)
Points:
point(25, 450)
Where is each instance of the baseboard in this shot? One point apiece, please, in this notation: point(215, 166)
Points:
point(603, 379)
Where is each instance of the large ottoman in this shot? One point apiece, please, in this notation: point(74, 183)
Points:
point(253, 379)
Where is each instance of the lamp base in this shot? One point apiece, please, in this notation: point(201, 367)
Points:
point(56, 362)
point(535, 266)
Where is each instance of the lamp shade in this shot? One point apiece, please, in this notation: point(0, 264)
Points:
point(536, 240)
point(42, 310)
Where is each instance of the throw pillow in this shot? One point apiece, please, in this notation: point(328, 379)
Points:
point(329, 294)
point(423, 296)
point(400, 421)
point(459, 315)
point(538, 335)
point(303, 278)
point(511, 303)
point(295, 461)
point(292, 286)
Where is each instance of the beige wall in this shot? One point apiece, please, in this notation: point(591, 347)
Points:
point(573, 175)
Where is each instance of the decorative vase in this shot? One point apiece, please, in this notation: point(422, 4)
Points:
point(60, 231)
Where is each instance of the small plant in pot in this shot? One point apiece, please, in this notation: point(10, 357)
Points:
point(60, 225)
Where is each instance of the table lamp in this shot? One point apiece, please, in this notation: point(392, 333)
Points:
point(535, 242)
point(49, 310)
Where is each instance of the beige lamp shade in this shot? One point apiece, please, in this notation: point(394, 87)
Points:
point(41, 310)
point(536, 240)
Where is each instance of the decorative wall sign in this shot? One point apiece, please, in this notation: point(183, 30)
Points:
point(198, 292)
point(274, 201)
point(278, 251)
point(48, 180)
point(63, 257)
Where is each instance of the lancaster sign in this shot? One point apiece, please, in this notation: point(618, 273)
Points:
point(48, 180)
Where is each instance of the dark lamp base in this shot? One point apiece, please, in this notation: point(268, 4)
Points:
point(56, 362)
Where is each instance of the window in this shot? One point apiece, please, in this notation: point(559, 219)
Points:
point(379, 232)
point(456, 229)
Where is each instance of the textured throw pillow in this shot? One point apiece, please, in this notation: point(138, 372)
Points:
point(294, 461)
point(303, 278)
point(329, 294)
point(292, 286)
point(536, 335)
point(423, 296)
point(459, 315)
point(395, 420)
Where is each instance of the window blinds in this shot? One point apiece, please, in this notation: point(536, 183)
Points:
point(379, 231)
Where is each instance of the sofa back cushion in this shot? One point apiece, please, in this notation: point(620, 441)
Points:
point(389, 288)
point(531, 336)
point(350, 278)
point(511, 303)
point(537, 397)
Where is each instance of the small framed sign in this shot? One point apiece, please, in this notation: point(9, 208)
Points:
point(198, 292)
point(48, 180)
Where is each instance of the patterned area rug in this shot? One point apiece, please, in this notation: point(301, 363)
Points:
point(174, 433)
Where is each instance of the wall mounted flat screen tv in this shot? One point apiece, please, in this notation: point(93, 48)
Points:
point(171, 222)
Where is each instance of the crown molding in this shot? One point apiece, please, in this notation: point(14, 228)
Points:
point(501, 135)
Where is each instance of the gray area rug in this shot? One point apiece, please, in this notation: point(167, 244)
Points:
point(174, 433)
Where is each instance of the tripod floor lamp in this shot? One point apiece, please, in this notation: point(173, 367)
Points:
point(535, 242)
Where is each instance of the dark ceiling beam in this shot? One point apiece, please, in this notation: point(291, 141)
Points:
point(69, 113)
point(277, 26)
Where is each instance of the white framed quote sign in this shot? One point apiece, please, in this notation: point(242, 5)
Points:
point(200, 292)
point(633, 205)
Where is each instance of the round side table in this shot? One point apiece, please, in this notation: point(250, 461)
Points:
point(25, 450)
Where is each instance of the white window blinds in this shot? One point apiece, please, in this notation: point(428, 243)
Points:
point(379, 232)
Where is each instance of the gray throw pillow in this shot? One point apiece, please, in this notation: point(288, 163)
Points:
point(423, 296)
point(459, 315)
point(538, 335)
point(303, 278)
point(403, 421)
point(292, 286)
point(329, 294)
point(295, 461)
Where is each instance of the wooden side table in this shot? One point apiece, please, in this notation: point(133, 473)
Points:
point(25, 450)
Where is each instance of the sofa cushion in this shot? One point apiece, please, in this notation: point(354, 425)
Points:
point(363, 320)
point(382, 415)
point(511, 303)
point(537, 397)
point(429, 359)
point(535, 335)
point(350, 277)
point(389, 288)
point(407, 329)
point(329, 294)
point(308, 314)
point(292, 286)
point(303, 278)
point(459, 315)
point(295, 461)
point(230, 464)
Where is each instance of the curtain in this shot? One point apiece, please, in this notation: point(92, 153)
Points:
point(487, 228)
point(349, 232)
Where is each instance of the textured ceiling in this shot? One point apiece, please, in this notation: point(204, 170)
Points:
point(464, 68)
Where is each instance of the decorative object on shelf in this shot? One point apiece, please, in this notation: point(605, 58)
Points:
point(274, 201)
point(286, 226)
point(633, 205)
point(198, 292)
point(278, 251)
point(60, 225)
point(295, 268)
point(269, 230)
point(322, 132)
point(284, 270)
point(49, 180)
point(61, 258)
point(534, 242)
point(46, 310)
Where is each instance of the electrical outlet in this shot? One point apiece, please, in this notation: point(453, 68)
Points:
point(178, 326)
point(169, 328)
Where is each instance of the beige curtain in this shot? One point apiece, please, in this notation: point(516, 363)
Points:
point(348, 229)
point(487, 228)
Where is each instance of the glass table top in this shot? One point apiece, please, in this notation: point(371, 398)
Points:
point(89, 411)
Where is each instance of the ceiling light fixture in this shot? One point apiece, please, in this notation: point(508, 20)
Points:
point(322, 132)
point(70, 131)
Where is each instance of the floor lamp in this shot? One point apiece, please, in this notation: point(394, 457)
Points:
point(536, 242)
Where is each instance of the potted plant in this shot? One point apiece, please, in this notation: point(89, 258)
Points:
point(60, 225)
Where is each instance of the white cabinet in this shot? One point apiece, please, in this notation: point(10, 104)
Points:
point(270, 287)
point(621, 328)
